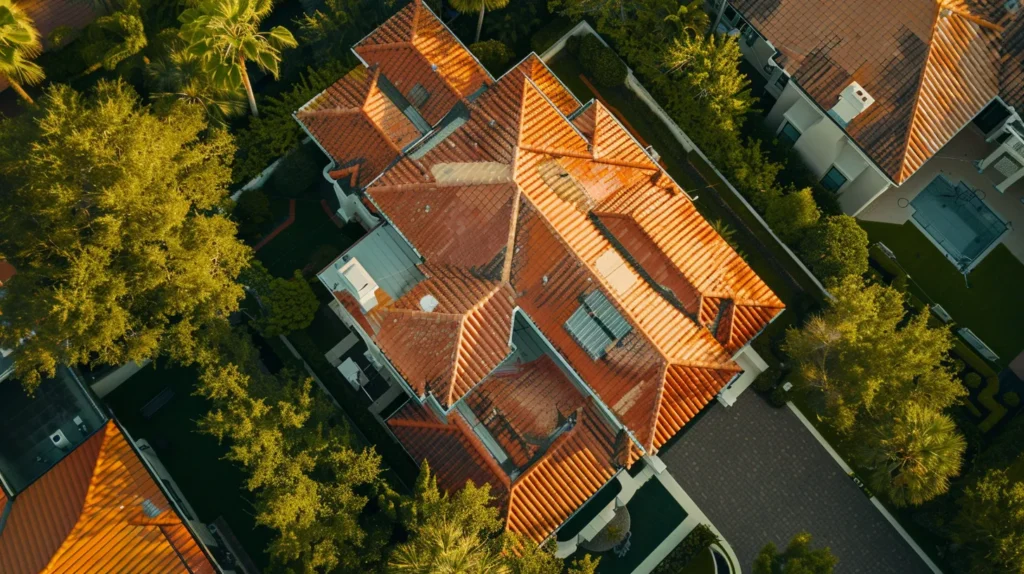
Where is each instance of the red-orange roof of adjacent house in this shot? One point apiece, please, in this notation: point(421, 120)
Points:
point(931, 65)
point(97, 510)
point(512, 205)
point(7, 271)
point(48, 15)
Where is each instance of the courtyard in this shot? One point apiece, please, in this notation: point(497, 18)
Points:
point(761, 477)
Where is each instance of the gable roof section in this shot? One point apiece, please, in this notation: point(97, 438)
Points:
point(358, 125)
point(413, 48)
point(85, 515)
point(931, 65)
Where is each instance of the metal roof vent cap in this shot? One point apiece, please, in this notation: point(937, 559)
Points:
point(151, 510)
point(433, 67)
point(428, 303)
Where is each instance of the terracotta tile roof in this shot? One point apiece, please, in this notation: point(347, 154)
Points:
point(86, 515)
point(455, 455)
point(561, 474)
point(512, 205)
point(413, 48)
point(931, 65)
point(358, 125)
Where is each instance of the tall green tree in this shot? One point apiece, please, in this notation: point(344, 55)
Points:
point(835, 248)
point(791, 215)
point(990, 523)
point(709, 79)
point(114, 38)
point(19, 43)
point(690, 20)
point(479, 7)
point(797, 558)
point(121, 252)
point(312, 484)
point(869, 360)
point(462, 532)
point(225, 35)
point(327, 30)
point(913, 455)
point(177, 75)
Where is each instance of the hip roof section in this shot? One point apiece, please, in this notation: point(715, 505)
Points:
point(930, 65)
point(86, 514)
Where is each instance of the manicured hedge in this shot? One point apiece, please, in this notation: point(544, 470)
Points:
point(598, 61)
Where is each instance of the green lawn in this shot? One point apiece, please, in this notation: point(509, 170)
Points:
point(212, 485)
point(989, 302)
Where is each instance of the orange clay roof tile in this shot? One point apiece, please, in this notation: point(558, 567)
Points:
point(85, 515)
point(515, 207)
point(931, 65)
point(413, 48)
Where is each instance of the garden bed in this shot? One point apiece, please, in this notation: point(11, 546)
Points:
point(654, 515)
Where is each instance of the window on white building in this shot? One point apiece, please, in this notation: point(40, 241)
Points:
point(833, 180)
point(789, 134)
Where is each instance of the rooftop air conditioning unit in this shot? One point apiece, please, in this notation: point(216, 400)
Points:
point(60, 441)
point(852, 101)
point(359, 283)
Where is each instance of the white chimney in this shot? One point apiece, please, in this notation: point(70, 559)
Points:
point(852, 101)
point(359, 283)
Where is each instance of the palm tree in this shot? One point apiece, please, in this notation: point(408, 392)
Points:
point(19, 43)
point(114, 38)
point(443, 547)
point(481, 6)
point(177, 76)
point(913, 457)
point(225, 34)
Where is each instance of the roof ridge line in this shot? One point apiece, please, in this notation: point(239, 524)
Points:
point(481, 450)
point(656, 409)
point(917, 93)
point(461, 335)
point(590, 157)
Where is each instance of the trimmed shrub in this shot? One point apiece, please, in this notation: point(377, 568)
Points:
point(1011, 399)
point(493, 54)
point(698, 540)
point(791, 215)
point(778, 397)
point(600, 62)
point(987, 398)
point(972, 380)
point(957, 365)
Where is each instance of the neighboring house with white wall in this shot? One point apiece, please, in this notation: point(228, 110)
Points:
point(870, 92)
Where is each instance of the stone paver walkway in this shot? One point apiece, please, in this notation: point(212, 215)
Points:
point(760, 476)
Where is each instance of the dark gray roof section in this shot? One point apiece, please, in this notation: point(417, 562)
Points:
point(388, 258)
point(402, 103)
point(606, 314)
point(586, 331)
point(451, 122)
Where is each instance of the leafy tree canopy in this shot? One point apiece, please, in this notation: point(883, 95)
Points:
point(797, 558)
point(991, 523)
point(312, 484)
point(462, 532)
point(120, 253)
point(868, 359)
point(835, 248)
point(792, 214)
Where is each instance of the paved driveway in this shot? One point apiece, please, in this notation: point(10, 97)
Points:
point(760, 476)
